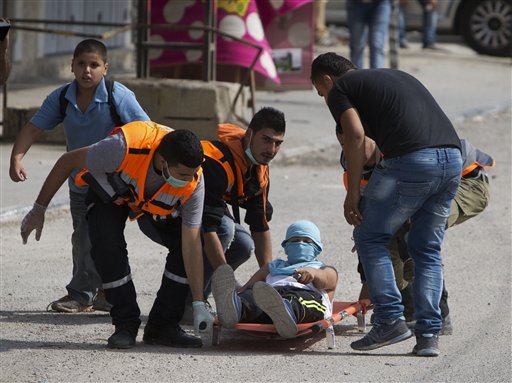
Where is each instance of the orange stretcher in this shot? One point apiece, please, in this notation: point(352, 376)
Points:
point(341, 310)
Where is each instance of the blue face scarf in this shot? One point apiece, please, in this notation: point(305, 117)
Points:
point(299, 254)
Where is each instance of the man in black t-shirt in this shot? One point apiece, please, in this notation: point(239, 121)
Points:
point(416, 180)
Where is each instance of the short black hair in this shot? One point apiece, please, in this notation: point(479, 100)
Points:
point(91, 46)
point(181, 147)
point(330, 64)
point(268, 117)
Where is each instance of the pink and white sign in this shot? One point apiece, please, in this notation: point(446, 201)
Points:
point(245, 19)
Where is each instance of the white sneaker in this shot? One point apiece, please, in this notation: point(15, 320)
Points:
point(227, 301)
point(271, 302)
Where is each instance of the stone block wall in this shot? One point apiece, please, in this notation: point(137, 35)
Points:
point(180, 104)
point(18, 117)
point(189, 104)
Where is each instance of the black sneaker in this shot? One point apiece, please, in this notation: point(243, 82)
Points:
point(382, 335)
point(426, 346)
point(170, 336)
point(124, 336)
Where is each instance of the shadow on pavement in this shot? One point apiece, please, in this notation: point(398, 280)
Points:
point(51, 317)
point(231, 341)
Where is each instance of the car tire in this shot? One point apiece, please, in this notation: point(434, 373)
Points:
point(486, 25)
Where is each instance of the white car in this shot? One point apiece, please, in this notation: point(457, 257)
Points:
point(486, 25)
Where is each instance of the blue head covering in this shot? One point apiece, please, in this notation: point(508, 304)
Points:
point(304, 228)
point(299, 254)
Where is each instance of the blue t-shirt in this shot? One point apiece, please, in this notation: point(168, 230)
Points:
point(84, 129)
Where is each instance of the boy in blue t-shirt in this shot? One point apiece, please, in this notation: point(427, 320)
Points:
point(87, 119)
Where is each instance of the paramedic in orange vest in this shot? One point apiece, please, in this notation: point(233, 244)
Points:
point(236, 173)
point(149, 173)
point(471, 199)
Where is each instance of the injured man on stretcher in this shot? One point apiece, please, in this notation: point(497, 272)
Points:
point(285, 293)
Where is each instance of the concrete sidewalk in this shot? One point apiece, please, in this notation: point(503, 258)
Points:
point(464, 83)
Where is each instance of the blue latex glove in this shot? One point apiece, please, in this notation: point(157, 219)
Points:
point(203, 319)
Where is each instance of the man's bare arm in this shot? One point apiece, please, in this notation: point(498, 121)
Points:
point(262, 246)
point(62, 169)
point(353, 137)
point(193, 260)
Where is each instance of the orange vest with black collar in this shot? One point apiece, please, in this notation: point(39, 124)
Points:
point(231, 136)
point(142, 139)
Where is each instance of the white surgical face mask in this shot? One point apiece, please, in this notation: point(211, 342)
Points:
point(248, 152)
point(172, 180)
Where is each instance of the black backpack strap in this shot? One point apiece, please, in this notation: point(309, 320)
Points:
point(110, 100)
point(234, 190)
point(63, 102)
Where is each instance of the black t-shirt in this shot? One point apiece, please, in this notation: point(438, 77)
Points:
point(396, 110)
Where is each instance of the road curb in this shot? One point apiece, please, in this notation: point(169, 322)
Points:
point(9, 216)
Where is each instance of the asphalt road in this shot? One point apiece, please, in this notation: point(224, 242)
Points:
point(37, 346)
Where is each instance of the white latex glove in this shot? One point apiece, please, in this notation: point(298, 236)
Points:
point(203, 319)
point(33, 220)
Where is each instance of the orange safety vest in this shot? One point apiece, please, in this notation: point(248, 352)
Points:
point(362, 184)
point(213, 152)
point(142, 139)
point(231, 136)
point(474, 158)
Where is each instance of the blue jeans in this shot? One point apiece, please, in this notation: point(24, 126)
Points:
point(375, 15)
point(421, 186)
point(429, 26)
point(402, 26)
point(237, 244)
point(85, 281)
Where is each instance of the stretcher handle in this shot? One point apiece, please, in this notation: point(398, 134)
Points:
point(336, 317)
